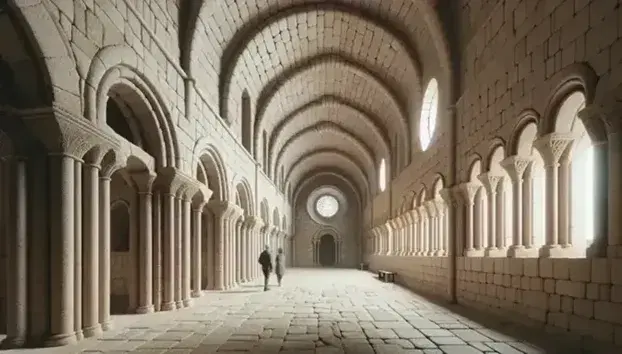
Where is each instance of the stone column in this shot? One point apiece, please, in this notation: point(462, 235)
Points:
point(77, 290)
point(614, 188)
point(168, 252)
point(144, 183)
point(104, 251)
point(431, 227)
point(388, 237)
point(421, 243)
point(90, 281)
point(244, 253)
point(17, 253)
point(223, 212)
point(551, 147)
point(516, 167)
point(565, 201)
point(414, 220)
point(441, 230)
point(500, 219)
point(177, 249)
point(450, 203)
point(197, 235)
point(469, 192)
point(490, 183)
point(158, 229)
point(62, 255)
point(186, 213)
point(252, 225)
point(237, 255)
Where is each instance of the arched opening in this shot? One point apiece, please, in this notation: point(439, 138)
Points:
point(120, 245)
point(208, 174)
point(498, 188)
point(429, 113)
point(382, 175)
point(577, 167)
point(327, 251)
point(476, 232)
point(246, 121)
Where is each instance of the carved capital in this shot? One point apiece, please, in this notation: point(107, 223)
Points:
point(552, 146)
point(253, 222)
point(143, 181)
point(224, 209)
point(430, 206)
point(516, 166)
point(414, 215)
point(451, 196)
point(469, 190)
point(490, 181)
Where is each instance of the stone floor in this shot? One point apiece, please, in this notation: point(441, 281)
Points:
point(316, 311)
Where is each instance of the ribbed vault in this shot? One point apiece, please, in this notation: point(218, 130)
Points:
point(328, 84)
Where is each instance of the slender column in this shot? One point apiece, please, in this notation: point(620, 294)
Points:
point(17, 255)
point(239, 256)
point(430, 225)
point(210, 251)
point(421, 231)
point(168, 253)
point(551, 147)
point(244, 254)
point(158, 229)
point(564, 203)
point(178, 246)
point(185, 257)
point(500, 217)
point(478, 225)
point(90, 280)
point(441, 232)
point(197, 233)
point(414, 219)
point(62, 252)
point(104, 253)
point(469, 191)
point(490, 183)
point(145, 249)
point(222, 213)
point(77, 290)
point(614, 188)
point(515, 167)
point(528, 210)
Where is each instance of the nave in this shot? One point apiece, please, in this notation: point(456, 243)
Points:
point(316, 311)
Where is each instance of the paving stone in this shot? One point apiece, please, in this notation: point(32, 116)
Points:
point(447, 340)
point(423, 343)
point(469, 335)
point(402, 343)
point(459, 349)
point(408, 333)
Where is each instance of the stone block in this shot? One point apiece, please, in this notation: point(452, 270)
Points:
point(549, 286)
point(584, 308)
point(591, 291)
point(555, 303)
point(567, 304)
point(616, 271)
point(616, 293)
point(561, 268)
point(531, 267)
point(608, 311)
point(570, 288)
point(580, 269)
point(545, 265)
point(601, 271)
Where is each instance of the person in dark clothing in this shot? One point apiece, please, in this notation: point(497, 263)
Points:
point(279, 266)
point(265, 259)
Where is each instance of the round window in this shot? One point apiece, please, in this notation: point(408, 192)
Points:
point(327, 206)
point(429, 111)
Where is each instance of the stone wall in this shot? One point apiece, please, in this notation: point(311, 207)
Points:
point(428, 275)
point(583, 296)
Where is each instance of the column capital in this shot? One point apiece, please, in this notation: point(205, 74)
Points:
point(599, 121)
point(516, 166)
point(439, 204)
point(224, 209)
point(451, 195)
point(394, 223)
point(469, 190)
point(143, 181)
point(490, 181)
point(552, 146)
point(386, 227)
point(173, 181)
point(253, 222)
point(430, 206)
point(414, 215)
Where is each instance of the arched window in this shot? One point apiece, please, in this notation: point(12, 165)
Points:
point(429, 112)
point(382, 175)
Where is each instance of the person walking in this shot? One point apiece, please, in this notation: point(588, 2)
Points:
point(279, 267)
point(265, 259)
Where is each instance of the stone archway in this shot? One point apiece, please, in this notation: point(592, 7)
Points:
point(326, 245)
point(121, 280)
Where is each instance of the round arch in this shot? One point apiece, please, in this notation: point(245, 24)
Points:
point(312, 176)
point(264, 211)
point(210, 169)
point(276, 220)
point(243, 190)
point(525, 118)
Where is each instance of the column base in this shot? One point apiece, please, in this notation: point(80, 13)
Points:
point(145, 309)
point(93, 331)
point(522, 252)
point(197, 293)
point(107, 325)
point(168, 306)
point(79, 335)
point(475, 253)
point(13, 342)
point(557, 251)
point(413, 253)
point(614, 251)
point(59, 340)
point(179, 304)
point(187, 302)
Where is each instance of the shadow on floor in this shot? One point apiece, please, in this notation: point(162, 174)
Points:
point(554, 341)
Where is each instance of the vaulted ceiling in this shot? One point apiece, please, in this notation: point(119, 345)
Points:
point(332, 85)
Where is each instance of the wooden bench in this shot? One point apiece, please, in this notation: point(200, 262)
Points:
point(386, 276)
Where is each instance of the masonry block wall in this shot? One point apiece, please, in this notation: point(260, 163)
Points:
point(517, 57)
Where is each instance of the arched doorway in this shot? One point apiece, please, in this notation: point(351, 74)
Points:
point(327, 251)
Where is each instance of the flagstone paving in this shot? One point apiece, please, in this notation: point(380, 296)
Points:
point(325, 311)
